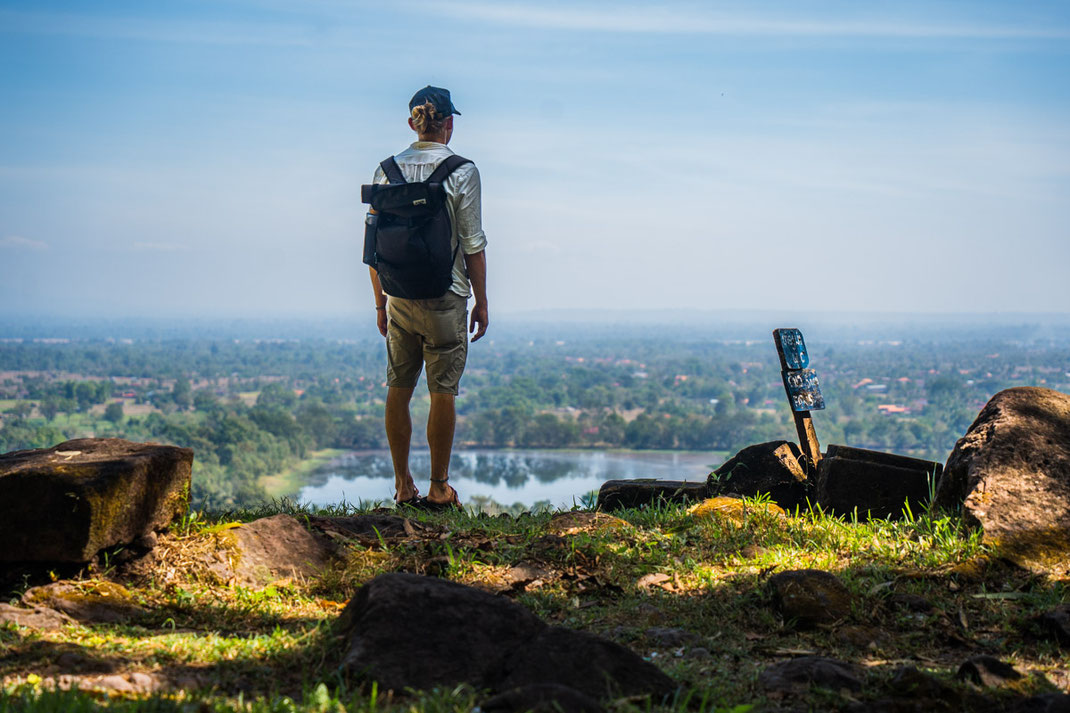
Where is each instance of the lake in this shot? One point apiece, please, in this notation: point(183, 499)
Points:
point(507, 477)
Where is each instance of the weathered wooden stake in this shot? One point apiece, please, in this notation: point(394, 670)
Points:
point(802, 389)
point(811, 449)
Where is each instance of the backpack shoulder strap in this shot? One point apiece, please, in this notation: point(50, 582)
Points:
point(448, 166)
point(392, 170)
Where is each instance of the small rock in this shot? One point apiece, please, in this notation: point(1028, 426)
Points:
point(272, 548)
point(116, 683)
point(810, 597)
point(1055, 624)
point(36, 617)
point(733, 510)
point(650, 612)
point(860, 636)
point(98, 602)
point(654, 579)
point(800, 674)
point(909, 602)
point(988, 671)
point(523, 574)
point(909, 682)
point(671, 638)
point(147, 541)
point(145, 682)
point(700, 653)
point(1044, 703)
point(72, 662)
point(542, 698)
point(752, 551)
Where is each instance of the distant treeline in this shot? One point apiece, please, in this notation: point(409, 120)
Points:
point(251, 409)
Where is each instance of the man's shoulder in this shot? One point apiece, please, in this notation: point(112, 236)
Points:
point(423, 152)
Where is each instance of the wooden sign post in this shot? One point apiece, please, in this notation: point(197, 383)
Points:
point(803, 390)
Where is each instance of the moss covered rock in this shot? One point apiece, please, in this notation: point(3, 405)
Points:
point(1010, 474)
point(69, 502)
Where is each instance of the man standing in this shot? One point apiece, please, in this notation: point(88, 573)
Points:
point(433, 330)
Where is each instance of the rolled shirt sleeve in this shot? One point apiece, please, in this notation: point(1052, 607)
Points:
point(468, 209)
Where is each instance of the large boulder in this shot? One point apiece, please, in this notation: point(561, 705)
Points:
point(67, 503)
point(404, 630)
point(1011, 475)
point(766, 468)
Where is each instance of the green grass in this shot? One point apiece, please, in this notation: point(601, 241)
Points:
point(275, 644)
point(288, 482)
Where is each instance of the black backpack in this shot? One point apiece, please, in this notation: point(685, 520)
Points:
point(408, 239)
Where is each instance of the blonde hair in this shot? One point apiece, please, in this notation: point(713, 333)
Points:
point(426, 119)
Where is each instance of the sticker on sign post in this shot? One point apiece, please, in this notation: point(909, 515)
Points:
point(792, 349)
point(804, 391)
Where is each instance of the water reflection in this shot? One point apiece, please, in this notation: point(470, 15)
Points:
point(561, 478)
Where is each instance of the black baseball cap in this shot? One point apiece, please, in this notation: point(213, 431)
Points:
point(439, 98)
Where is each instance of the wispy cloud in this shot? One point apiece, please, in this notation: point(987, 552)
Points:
point(682, 20)
point(151, 30)
point(159, 247)
point(17, 242)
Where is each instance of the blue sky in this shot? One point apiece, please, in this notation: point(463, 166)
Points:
point(205, 158)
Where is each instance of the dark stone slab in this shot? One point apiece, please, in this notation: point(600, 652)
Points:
point(67, 503)
point(621, 494)
point(873, 484)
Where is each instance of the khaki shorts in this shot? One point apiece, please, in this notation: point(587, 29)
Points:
point(432, 331)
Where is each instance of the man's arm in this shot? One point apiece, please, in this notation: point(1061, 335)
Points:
point(380, 301)
point(476, 263)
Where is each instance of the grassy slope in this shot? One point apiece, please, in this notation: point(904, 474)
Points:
point(289, 482)
point(275, 645)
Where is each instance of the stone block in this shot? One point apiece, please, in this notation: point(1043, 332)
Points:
point(872, 483)
point(620, 494)
point(67, 503)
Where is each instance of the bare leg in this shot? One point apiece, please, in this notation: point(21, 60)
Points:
point(441, 422)
point(399, 434)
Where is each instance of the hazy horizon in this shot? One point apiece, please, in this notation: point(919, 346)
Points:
point(551, 325)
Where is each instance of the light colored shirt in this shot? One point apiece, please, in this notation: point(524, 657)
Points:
point(462, 201)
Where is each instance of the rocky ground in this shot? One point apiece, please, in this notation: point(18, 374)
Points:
point(742, 606)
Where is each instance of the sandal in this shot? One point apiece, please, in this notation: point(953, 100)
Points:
point(414, 501)
point(454, 503)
